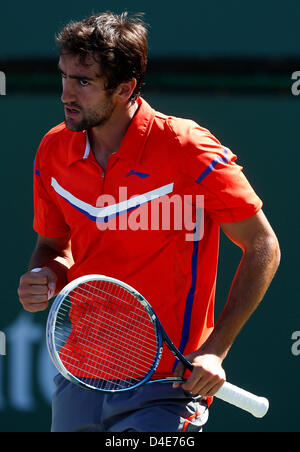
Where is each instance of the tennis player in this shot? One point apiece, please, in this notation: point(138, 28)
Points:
point(112, 147)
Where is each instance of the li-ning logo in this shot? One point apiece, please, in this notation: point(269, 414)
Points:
point(137, 173)
point(2, 84)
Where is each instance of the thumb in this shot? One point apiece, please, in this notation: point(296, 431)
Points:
point(52, 279)
point(178, 373)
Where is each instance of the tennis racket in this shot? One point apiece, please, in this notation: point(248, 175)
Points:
point(103, 335)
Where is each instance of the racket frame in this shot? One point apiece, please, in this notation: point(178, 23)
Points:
point(51, 322)
point(257, 406)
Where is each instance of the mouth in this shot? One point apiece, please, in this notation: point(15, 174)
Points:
point(71, 112)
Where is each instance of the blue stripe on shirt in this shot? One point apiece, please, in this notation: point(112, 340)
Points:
point(189, 302)
point(213, 164)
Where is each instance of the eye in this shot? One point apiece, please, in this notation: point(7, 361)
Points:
point(83, 82)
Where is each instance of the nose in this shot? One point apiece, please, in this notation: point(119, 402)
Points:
point(68, 94)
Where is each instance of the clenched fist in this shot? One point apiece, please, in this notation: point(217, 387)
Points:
point(36, 287)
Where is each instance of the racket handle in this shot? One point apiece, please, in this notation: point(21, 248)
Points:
point(257, 406)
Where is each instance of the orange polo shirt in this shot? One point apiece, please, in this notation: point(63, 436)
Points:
point(135, 221)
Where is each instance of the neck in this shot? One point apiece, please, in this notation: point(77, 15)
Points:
point(107, 139)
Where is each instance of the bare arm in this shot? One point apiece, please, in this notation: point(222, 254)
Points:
point(260, 261)
point(261, 256)
point(54, 256)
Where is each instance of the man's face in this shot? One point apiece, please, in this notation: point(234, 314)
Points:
point(86, 103)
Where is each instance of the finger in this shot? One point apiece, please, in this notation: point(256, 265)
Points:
point(32, 279)
point(176, 384)
point(34, 303)
point(198, 376)
point(35, 307)
point(50, 277)
point(36, 289)
point(208, 385)
point(51, 289)
point(179, 369)
point(179, 373)
point(193, 383)
point(211, 389)
point(25, 290)
point(34, 298)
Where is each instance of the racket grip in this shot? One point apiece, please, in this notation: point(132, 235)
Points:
point(257, 406)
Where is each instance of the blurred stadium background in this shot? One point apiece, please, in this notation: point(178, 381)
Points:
point(227, 65)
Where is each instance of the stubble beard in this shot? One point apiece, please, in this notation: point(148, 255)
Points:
point(91, 118)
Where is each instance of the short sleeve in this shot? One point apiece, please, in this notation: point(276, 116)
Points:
point(228, 195)
point(48, 219)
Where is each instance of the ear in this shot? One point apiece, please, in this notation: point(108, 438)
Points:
point(125, 90)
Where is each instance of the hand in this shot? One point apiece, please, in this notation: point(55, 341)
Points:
point(207, 376)
point(36, 288)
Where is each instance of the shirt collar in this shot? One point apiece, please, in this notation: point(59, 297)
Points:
point(133, 142)
point(78, 147)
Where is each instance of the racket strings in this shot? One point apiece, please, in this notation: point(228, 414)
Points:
point(116, 344)
point(138, 306)
point(138, 326)
point(94, 333)
point(106, 334)
point(61, 336)
point(93, 367)
point(84, 288)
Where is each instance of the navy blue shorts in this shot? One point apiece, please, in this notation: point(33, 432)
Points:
point(150, 408)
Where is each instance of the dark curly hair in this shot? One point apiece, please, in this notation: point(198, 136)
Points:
point(117, 42)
